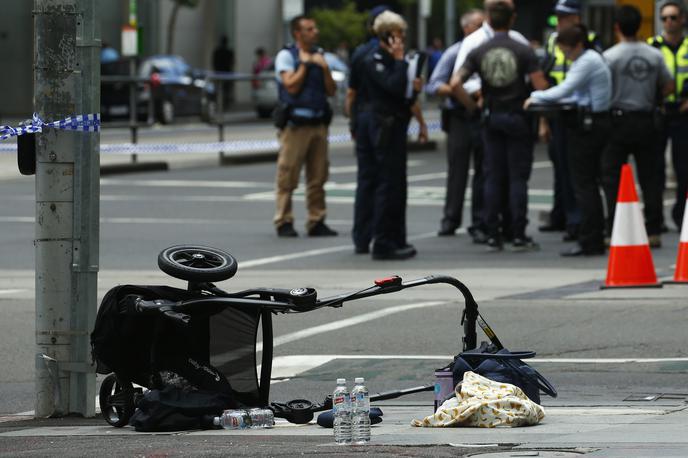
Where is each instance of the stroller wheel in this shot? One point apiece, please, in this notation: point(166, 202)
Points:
point(300, 411)
point(196, 263)
point(116, 400)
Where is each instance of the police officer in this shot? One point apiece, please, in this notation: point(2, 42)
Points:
point(638, 76)
point(385, 82)
point(503, 64)
point(463, 141)
point(589, 83)
point(674, 47)
point(564, 215)
point(304, 81)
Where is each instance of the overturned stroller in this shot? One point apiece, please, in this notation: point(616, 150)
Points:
point(155, 336)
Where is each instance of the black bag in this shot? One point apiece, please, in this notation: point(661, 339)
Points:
point(281, 114)
point(505, 367)
point(173, 409)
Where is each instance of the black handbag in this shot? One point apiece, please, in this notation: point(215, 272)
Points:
point(505, 367)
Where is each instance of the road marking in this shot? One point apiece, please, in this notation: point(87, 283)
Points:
point(186, 183)
point(319, 251)
point(11, 291)
point(285, 367)
point(345, 323)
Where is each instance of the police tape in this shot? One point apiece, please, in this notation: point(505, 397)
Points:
point(82, 123)
point(236, 146)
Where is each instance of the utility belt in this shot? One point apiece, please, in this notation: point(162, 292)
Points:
point(284, 116)
point(386, 121)
point(585, 120)
point(632, 114)
point(458, 112)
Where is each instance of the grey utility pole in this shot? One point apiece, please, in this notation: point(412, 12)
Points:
point(66, 83)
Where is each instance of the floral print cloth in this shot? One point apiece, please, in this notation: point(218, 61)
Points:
point(484, 403)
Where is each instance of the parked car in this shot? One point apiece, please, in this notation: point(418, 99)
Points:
point(175, 87)
point(265, 92)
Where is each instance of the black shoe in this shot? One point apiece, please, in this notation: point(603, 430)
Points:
point(361, 249)
point(396, 254)
point(287, 230)
point(321, 230)
point(494, 244)
point(552, 228)
point(524, 244)
point(579, 251)
point(447, 230)
point(479, 236)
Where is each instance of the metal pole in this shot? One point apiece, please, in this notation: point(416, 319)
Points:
point(449, 22)
point(133, 113)
point(219, 95)
point(66, 83)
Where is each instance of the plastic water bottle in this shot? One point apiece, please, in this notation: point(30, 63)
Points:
point(233, 419)
point(360, 416)
point(245, 419)
point(261, 418)
point(341, 409)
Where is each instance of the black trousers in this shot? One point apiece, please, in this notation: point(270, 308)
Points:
point(463, 142)
point(586, 146)
point(381, 192)
point(634, 134)
point(508, 158)
point(676, 129)
point(565, 211)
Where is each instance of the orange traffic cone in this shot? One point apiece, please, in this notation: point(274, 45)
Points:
point(630, 261)
point(681, 274)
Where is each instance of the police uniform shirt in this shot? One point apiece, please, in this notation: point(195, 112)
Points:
point(385, 80)
point(638, 71)
point(502, 64)
point(356, 74)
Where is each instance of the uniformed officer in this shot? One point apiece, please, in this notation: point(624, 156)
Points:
point(305, 82)
point(674, 47)
point(503, 64)
point(359, 109)
point(463, 141)
point(589, 83)
point(385, 81)
point(638, 76)
point(565, 215)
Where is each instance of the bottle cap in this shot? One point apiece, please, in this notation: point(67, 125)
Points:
point(341, 381)
point(216, 421)
point(359, 380)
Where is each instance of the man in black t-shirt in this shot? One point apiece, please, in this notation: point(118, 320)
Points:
point(503, 64)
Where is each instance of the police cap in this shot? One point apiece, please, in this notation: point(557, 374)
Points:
point(568, 7)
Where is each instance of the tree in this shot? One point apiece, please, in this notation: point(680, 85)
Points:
point(173, 20)
point(341, 25)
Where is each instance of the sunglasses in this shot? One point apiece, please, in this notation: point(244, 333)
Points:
point(672, 17)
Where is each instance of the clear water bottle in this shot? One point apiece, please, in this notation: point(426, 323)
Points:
point(341, 409)
point(233, 419)
point(360, 412)
point(261, 418)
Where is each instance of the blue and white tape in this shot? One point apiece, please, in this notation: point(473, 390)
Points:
point(229, 147)
point(82, 123)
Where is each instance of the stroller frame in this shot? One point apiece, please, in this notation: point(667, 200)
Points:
point(200, 266)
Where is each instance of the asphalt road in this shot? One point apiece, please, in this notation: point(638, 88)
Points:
point(535, 300)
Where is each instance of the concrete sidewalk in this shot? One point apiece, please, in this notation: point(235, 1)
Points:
point(575, 430)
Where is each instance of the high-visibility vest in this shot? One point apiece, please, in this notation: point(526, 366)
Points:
point(561, 63)
point(676, 62)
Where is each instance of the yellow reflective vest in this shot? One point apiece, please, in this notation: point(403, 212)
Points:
point(561, 63)
point(676, 62)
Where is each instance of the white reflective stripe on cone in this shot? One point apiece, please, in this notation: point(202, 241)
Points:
point(684, 226)
point(629, 226)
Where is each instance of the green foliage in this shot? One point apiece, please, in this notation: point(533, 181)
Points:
point(336, 26)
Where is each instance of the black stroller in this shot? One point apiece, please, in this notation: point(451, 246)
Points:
point(209, 337)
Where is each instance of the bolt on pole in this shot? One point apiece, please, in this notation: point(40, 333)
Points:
point(66, 83)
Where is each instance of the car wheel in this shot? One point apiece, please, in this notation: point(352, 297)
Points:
point(197, 263)
point(167, 112)
point(116, 399)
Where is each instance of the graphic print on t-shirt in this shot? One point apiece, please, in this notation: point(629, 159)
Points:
point(638, 68)
point(499, 67)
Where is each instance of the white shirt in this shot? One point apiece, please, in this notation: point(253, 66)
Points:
point(473, 41)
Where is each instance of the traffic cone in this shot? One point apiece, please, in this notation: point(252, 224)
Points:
point(681, 273)
point(630, 261)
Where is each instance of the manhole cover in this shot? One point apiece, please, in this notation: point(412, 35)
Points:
point(529, 453)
